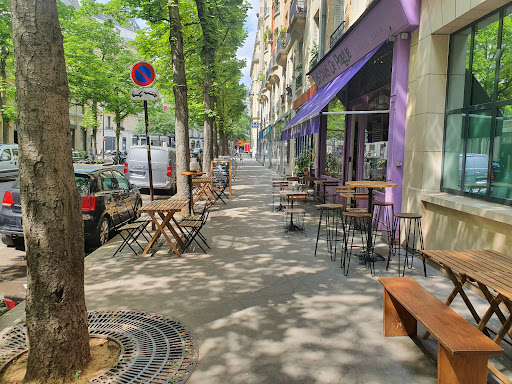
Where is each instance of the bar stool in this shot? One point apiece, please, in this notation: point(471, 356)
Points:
point(332, 214)
point(387, 210)
point(410, 221)
point(353, 221)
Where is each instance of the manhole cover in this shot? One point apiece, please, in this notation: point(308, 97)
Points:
point(154, 348)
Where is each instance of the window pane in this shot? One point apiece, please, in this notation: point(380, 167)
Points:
point(484, 60)
point(335, 140)
point(459, 65)
point(453, 147)
point(505, 70)
point(501, 176)
point(477, 155)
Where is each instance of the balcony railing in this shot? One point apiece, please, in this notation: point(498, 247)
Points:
point(336, 35)
point(298, 7)
point(277, 7)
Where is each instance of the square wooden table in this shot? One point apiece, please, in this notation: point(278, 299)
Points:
point(165, 209)
point(492, 273)
point(204, 184)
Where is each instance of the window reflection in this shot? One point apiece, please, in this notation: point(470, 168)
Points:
point(484, 60)
point(501, 178)
point(459, 67)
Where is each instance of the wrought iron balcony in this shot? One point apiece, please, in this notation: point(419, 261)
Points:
point(298, 81)
point(336, 35)
point(297, 18)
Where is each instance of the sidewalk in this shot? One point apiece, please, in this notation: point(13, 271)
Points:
point(264, 310)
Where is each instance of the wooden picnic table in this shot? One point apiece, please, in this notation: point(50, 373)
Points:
point(492, 272)
point(204, 184)
point(165, 209)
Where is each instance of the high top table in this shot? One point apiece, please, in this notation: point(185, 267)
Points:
point(370, 185)
point(189, 175)
point(326, 183)
point(165, 209)
point(292, 195)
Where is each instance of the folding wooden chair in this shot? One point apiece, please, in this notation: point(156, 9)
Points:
point(131, 232)
point(193, 225)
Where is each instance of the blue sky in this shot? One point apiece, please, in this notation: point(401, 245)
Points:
point(245, 52)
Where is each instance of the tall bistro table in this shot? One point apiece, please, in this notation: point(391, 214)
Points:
point(292, 195)
point(165, 209)
point(492, 272)
point(370, 185)
point(326, 183)
point(189, 175)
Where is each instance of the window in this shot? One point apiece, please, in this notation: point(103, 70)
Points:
point(335, 140)
point(6, 155)
point(121, 181)
point(477, 155)
point(108, 181)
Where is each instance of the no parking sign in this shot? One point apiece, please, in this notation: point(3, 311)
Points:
point(143, 74)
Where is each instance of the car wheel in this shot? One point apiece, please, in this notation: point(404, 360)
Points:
point(8, 240)
point(103, 232)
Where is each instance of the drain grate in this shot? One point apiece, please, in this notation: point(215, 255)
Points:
point(154, 348)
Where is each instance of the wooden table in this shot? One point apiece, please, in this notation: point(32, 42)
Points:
point(492, 272)
point(189, 175)
point(326, 183)
point(370, 185)
point(165, 209)
point(204, 184)
point(291, 195)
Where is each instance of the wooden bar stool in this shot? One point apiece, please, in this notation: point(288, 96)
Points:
point(411, 221)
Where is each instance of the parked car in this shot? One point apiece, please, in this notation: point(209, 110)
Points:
point(79, 156)
point(9, 167)
point(477, 168)
point(108, 201)
point(163, 164)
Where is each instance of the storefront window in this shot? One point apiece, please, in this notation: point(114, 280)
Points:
point(376, 137)
point(478, 129)
point(335, 140)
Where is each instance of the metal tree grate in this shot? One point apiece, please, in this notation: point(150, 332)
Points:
point(154, 348)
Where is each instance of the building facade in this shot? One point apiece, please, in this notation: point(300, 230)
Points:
point(410, 91)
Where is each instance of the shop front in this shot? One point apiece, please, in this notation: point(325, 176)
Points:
point(358, 114)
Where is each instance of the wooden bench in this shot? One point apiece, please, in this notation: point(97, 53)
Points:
point(463, 351)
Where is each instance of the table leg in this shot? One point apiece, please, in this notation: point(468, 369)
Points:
point(190, 202)
point(155, 236)
point(166, 218)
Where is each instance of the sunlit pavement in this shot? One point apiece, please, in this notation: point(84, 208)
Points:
point(264, 310)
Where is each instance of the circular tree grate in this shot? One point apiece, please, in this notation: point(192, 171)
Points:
point(154, 348)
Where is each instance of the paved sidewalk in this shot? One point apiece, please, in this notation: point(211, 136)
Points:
point(264, 310)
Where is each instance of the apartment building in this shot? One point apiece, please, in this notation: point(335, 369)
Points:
point(410, 91)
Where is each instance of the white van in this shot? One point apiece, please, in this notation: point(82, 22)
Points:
point(163, 164)
point(9, 166)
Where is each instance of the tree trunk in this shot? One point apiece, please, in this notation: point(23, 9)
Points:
point(95, 129)
point(180, 97)
point(208, 26)
point(4, 121)
point(215, 143)
point(56, 315)
point(118, 128)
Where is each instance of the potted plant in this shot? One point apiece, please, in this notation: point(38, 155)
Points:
point(303, 162)
point(331, 165)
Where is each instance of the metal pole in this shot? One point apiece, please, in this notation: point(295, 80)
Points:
point(148, 143)
point(103, 123)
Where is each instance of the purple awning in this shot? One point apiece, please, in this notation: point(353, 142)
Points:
point(307, 120)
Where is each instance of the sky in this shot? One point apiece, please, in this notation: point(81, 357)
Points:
point(245, 52)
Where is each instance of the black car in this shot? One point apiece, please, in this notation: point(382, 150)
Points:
point(108, 201)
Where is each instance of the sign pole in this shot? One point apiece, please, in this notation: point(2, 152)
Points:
point(148, 142)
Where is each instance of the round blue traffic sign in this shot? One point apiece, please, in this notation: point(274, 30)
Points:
point(143, 74)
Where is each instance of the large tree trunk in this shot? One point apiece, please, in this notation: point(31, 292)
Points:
point(180, 98)
point(4, 122)
point(56, 315)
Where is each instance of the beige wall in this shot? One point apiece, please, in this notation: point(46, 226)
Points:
point(449, 221)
